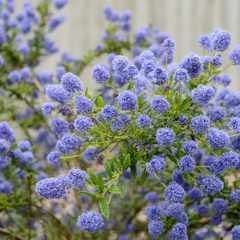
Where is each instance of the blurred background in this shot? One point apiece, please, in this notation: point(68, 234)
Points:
point(185, 20)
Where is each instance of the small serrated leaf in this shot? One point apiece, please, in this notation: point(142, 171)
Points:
point(99, 101)
point(104, 207)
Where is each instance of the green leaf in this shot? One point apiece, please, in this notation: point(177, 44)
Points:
point(99, 101)
point(96, 180)
point(115, 189)
point(89, 194)
point(104, 207)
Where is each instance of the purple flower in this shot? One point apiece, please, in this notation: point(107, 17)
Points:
point(53, 158)
point(71, 83)
point(165, 137)
point(25, 145)
point(47, 109)
point(155, 228)
point(181, 75)
point(83, 104)
point(101, 73)
point(127, 100)
point(192, 63)
point(217, 138)
point(160, 75)
point(155, 165)
point(54, 22)
point(121, 122)
point(202, 94)
point(143, 121)
point(108, 112)
point(57, 93)
point(159, 104)
point(178, 232)
point(90, 154)
point(236, 232)
point(200, 123)
point(90, 221)
point(77, 177)
point(174, 193)
point(4, 146)
point(69, 144)
point(6, 132)
point(187, 164)
point(234, 56)
point(52, 188)
point(59, 126)
point(59, 3)
point(83, 123)
point(220, 40)
point(235, 196)
point(211, 185)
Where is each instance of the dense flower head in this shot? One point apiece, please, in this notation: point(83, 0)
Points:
point(155, 228)
point(57, 93)
point(71, 83)
point(60, 3)
point(205, 42)
point(211, 185)
point(83, 104)
point(187, 164)
point(83, 123)
point(235, 196)
point(200, 123)
point(47, 108)
point(90, 154)
point(108, 112)
point(121, 122)
point(4, 146)
point(181, 75)
point(77, 177)
point(217, 138)
point(219, 206)
point(68, 144)
point(195, 194)
point(234, 56)
point(221, 40)
point(155, 165)
point(165, 136)
point(234, 123)
point(53, 158)
point(216, 113)
point(202, 94)
point(152, 197)
point(190, 147)
point(174, 193)
point(127, 100)
point(192, 63)
point(6, 132)
point(59, 126)
point(159, 104)
point(143, 121)
point(52, 188)
point(236, 232)
point(119, 63)
point(178, 232)
point(90, 221)
point(101, 73)
point(160, 75)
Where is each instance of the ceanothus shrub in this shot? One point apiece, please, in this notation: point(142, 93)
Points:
point(152, 154)
point(156, 148)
